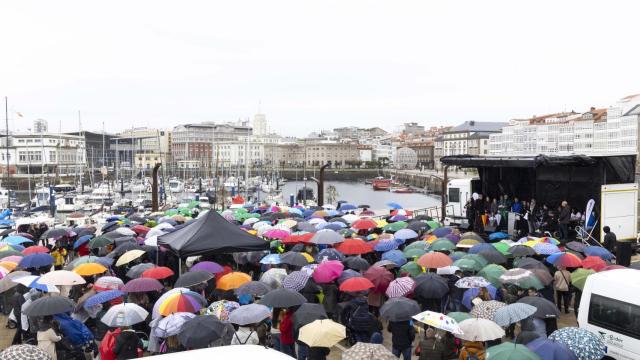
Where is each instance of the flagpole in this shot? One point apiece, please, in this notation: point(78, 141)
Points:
point(6, 118)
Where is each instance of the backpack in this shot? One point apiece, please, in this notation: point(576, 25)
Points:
point(360, 319)
point(107, 345)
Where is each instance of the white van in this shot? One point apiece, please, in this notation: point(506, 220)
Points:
point(459, 191)
point(610, 307)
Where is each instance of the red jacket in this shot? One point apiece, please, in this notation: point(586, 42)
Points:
point(286, 329)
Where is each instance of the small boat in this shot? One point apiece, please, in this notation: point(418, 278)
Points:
point(381, 184)
point(403, 190)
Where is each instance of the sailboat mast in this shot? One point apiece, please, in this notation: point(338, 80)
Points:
point(6, 119)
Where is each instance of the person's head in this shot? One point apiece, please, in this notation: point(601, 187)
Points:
point(606, 229)
point(515, 199)
point(564, 203)
point(429, 333)
point(376, 338)
point(532, 292)
point(494, 200)
point(505, 196)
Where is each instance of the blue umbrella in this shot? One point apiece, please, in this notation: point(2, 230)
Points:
point(475, 249)
point(472, 293)
point(114, 218)
point(295, 211)
point(386, 245)
point(394, 205)
point(396, 256)
point(442, 232)
point(105, 261)
point(308, 213)
point(109, 225)
point(103, 297)
point(31, 282)
point(603, 253)
point(551, 350)
point(272, 259)
point(335, 226)
point(82, 240)
point(16, 240)
point(344, 207)
point(405, 234)
point(36, 261)
point(496, 236)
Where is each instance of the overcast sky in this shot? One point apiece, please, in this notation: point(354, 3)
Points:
point(313, 64)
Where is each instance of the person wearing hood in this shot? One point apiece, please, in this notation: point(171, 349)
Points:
point(472, 350)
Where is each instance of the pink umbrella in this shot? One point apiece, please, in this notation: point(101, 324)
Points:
point(400, 287)
point(328, 271)
point(13, 258)
point(276, 234)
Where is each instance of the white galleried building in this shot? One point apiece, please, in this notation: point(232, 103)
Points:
point(38, 153)
point(612, 131)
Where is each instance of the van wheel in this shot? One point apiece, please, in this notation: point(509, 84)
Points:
point(608, 358)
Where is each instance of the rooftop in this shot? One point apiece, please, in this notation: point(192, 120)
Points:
point(478, 126)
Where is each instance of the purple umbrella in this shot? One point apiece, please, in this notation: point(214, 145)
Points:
point(442, 232)
point(36, 260)
point(142, 285)
point(208, 266)
point(453, 237)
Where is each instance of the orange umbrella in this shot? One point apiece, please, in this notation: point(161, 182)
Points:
point(89, 269)
point(8, 265)
point(233, 280)
point(434, 260)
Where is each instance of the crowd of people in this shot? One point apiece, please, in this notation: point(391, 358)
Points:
point(431, 290)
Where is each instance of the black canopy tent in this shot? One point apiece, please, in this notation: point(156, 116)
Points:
point(210, 234)
point(548, 179)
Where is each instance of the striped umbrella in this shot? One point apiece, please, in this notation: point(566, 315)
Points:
point(472, 282)
point(296, 280)
point(400, 287)
point(513, 313)
point(108, 283)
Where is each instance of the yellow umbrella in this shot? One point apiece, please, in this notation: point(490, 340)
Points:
point(531, 243)
point(232, 280)
point(89, 269)
point(252, 232)
point(8, 265)
point(129, 256)
point(381, 223)
point(467, 243)
point(308, 257)
point(430, 238)
point(322, 333)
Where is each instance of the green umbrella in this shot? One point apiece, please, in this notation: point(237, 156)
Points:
point(467, 265)
point(100, 241)
point(442, 245)
point(492, 273)
point(477, 258)
point(579, 277)
point(423, 245)
point(411, 268)
point(151, 223)
point(457, 255)
point(459, 316)
point(185, 211)
point(193, 204)
point(395, 226)
point(241, 211)
point(502, 247)
point(413, 252)
point(171, 212)
point(433, 224)
point(275, 244)
point(10, 252)
point(509, 351)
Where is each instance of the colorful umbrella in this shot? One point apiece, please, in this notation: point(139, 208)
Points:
point(328, 271)
point(356, 284)
point(487, 309)
point(438, 321)
point(232, 280)
point(222, 309)
point(180, 302)
point(564, 259)
point(579, 277)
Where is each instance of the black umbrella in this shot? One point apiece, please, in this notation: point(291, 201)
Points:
point(125, 240)
point(120, 250)
point(282, 298)
point(418, 226)
point(576, 246)
point(255, 288)
point(330, 254)
point(308, 313)
point(193, 278)
point(298, 248)
point(111, 235)
point(50, 305)
point(526, 337)
point(203, 331)
point(356, 263)
point(249, 256)
point(493, 256)
point(399, 309)
point(339, 219)
point(423, 217)
point(364, 206)
point(546, 309)
point(521, 250)
point(84, 231)
point(53, 233)
point(529, 263)
point(293, 258)
point(6, 232)
point(430, 286)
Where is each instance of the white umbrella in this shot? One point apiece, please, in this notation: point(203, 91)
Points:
point(250, 221)
point(29, 280)
point(125, 314)
point(478, 329)
point(263, 229)
point(440, 321)
point(228, 352)
point(447, 270)
point(124, 231)
point(151, 241)
point(351, 218)
point(172, 324)
point(61, 277)
point(322, 333)
point(129, 256)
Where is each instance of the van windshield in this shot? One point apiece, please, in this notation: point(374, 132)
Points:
point(615, 315)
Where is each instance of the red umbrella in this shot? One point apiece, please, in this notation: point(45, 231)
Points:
point(354, 247)
point(593, 262)
point(364, 224)
point(613, 267)
point(567, 260)
point(380, 277)
point(35, 249)
point(158, 273)
point(434, 260)
point(140, 229)
point(356, 284)
point(298, 238)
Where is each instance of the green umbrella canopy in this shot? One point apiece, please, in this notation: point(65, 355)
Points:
point(433, 224)
point(418, 245)
point(509, 351)
point(579, 277)
point(171, 212)
point(185, 211)
point(442, 245)
point(503, 248)
point(459, 316)
point(467, 265)
point(477, 258)
point(413, 252)
point(100, 241)
point(492, 273)
point(411, 268)
point(395, 226)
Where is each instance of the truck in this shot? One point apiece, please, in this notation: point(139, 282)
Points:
point(459, 191)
